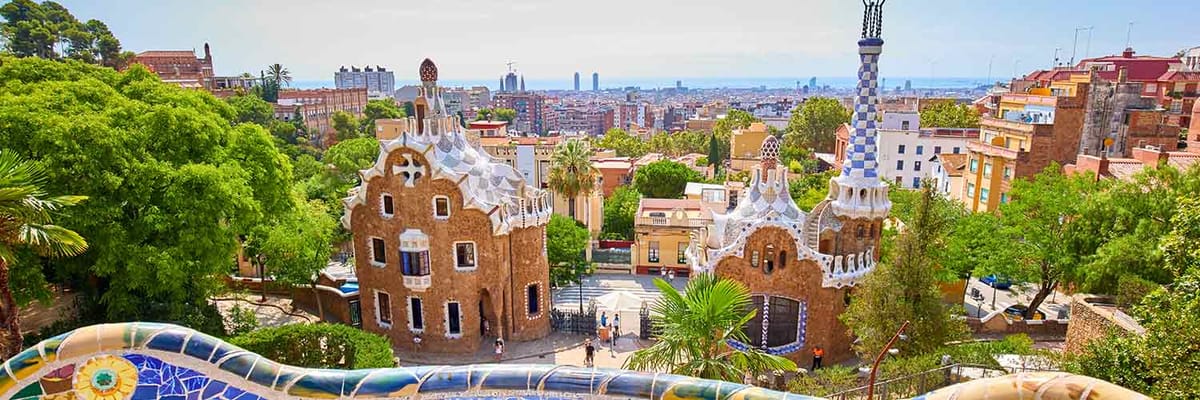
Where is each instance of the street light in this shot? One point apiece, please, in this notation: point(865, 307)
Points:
point(887, 349)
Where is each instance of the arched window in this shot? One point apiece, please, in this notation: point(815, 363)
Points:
point(782, 259)
point(769, 259)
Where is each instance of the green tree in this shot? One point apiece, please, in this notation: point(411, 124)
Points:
point(664, 179)
point(319, 346)
point(48, 30)
point(971, 244)
point(695, 331)
point(1038, 225)
point(252, 109)
point(809, 189)
point(566, 243)
point(345, 125)
point(949, 115)
point(619, 212)
point(295, 246)
point(571, 171)
point(26, 222)
point(814, 123)
point(171, 183)
point(714, 154)
point(379, 109)
point(350, 156)
point(279, 74)
point(624, 144)
point(498, 114)
point(905, 288)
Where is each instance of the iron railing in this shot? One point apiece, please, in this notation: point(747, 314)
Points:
point(922, 382)
point(575, 321)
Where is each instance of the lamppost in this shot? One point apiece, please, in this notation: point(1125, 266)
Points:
point(887, 349)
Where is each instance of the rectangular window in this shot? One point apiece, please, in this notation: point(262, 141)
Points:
point(378, 251)
point(531, 296)
point(904, 126)
point(900, 150)
point(916, 182)
point(920, 150)
point(955, 150)
point(783, 320)
point(987, 169)
point(899, 181)
point(388, 208)
point(971, 190)
point(414, 263)
point(417, 319)
point(652, 252)
point(453, 318)
point(916, 165)
point(974, 165)
point(1007, 172)
point(983, 194)
point(899, 165)
point(682, 253)
point(937, 149)
point(1003, 198)
point(441, 207)
point(464, 255)
point(383, 306)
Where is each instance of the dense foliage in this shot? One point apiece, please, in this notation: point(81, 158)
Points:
point(814, 123)
point(48, 30)
point(664, 179)
point(947, 114)
point(172, 182)
point(566, 243)
point(905, 288)
point(319, 346)
point(496, 114)
point(619, 211)
point(571, 172)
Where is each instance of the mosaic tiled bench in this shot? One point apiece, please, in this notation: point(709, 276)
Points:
point(159, 361)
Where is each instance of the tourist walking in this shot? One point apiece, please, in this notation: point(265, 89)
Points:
point(612, 345)
point(818, 352)
point(499, 349)
point(671, 276)
point(589, 353)
point(616, 325)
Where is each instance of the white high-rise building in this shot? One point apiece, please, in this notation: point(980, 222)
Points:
point(379, 81)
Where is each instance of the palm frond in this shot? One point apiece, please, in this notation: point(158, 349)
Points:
point(51, 240)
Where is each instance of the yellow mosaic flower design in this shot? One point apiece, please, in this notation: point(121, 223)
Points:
point(106, 377)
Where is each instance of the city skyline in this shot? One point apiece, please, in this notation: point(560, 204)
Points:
point(707, 39)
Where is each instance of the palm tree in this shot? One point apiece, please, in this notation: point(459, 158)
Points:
point(279, 74)
point(571, 171)
point(25, 221)
point(696, 326)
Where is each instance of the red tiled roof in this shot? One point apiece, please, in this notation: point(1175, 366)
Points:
point(1180, 76)
point(669, 204)
point(167, 53)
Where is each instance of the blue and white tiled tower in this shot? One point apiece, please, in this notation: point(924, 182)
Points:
point(858, 192)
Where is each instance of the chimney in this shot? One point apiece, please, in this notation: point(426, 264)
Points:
point(1128, 53)
point(207, 53)
point(1122, 75)
point(1150, 155)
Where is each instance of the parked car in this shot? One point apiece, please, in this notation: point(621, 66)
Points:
point(1017, 312)
point(998, 282)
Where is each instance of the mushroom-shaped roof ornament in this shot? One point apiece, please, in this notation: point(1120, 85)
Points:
point(428, 71)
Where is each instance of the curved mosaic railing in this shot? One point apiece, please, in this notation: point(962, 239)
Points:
point(159, 361)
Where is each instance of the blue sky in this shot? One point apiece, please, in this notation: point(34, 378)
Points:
point(551, 39)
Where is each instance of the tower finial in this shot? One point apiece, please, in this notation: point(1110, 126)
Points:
point(872, 18)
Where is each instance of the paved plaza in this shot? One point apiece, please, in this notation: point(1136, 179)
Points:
point(568, 298)
point(1054, 306)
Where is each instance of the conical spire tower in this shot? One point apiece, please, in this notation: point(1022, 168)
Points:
point(858, 192)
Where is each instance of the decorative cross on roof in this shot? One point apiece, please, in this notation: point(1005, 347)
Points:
point(410, 169)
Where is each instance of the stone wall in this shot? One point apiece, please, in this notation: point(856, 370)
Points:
point(1093, 317)
point(797, 280)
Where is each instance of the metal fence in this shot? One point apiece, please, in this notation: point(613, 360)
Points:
point(575, 321)
point(646, 326)
point(612, 256)
point(920, 383)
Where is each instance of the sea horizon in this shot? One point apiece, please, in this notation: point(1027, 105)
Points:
point(889, 83)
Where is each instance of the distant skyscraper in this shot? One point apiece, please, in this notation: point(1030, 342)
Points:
point(907, 85)
point(595, 81)
point(522, 83)
point(679, 84)
point(812, 82)
point(510, 83)
point(379, 81)
point(576, 81)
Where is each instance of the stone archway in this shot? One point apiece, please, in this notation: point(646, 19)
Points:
point(488, 317)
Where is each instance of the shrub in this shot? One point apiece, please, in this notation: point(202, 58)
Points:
point(825, 381)
point(319, 346)
point(1132, 288)
point(241, 321)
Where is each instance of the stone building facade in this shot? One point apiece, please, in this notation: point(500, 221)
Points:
point(800, 267)
point(447, 238)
